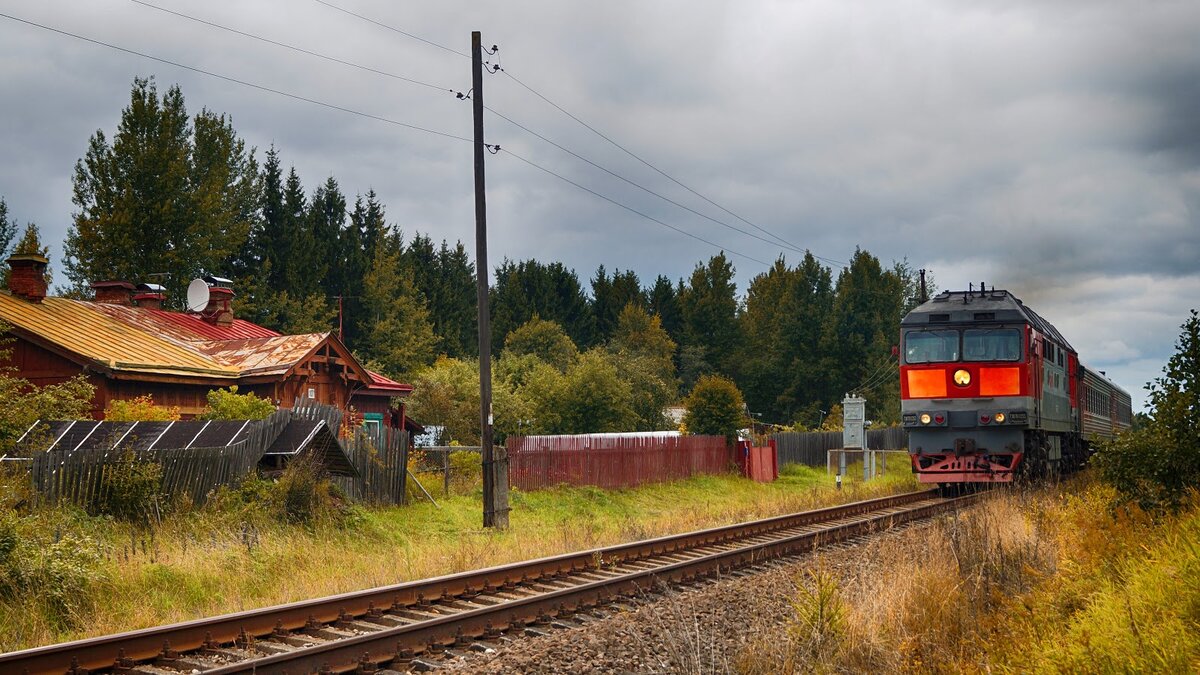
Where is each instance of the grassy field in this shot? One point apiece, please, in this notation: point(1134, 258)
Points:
point(66, 575)
point(1049, 580)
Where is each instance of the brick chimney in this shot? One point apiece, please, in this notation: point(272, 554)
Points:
point(149, 296)
point(28, 277)
point(114, 292)
point(219, 310)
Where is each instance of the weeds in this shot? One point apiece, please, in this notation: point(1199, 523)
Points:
point(242, 549)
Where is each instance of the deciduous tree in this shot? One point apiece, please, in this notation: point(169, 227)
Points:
point(715, 408)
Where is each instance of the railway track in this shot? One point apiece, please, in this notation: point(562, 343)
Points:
point(396, 627)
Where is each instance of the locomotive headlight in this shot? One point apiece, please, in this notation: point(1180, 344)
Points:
point(962, 378)
point(999, 417)
point(925, 418)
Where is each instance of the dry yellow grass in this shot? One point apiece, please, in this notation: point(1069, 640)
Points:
point(1047, 580)
point(214, 561)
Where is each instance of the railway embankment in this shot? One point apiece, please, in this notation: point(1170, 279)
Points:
point(1036, 580)
point(68, 575)
point(1046, 580)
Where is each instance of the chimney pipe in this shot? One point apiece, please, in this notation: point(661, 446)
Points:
point(219, 310)
point(150, 296)
point(27, 279)
point(114, 292)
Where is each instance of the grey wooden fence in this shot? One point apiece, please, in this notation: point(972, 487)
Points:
point(810, 447)
point(381, 460)
point(83, 475)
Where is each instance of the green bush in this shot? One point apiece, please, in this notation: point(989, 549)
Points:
point(55, 575)
point(131, 489)
point(227, 404)
point(715, 408)
point(301, 494)
point(1156, 465)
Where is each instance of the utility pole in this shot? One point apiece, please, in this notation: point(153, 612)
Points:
point(492, 516)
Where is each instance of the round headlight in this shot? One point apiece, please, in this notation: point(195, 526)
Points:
point(962, 378)
point(925, 418)
point(999, 417)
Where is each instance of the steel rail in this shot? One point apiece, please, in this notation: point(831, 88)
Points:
point(136, 646)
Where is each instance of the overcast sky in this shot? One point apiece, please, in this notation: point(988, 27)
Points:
point(1051, 148)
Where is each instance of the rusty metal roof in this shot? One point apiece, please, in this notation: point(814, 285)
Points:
point(180, 326)
point(150, 341)
point(262, 356)
point(76, 327)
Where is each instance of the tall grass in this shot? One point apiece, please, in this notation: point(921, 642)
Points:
point(1045, 580)
point(273, 542)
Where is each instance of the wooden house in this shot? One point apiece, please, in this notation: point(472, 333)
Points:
point(128, 346)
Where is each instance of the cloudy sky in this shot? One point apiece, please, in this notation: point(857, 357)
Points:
point(1051, 148)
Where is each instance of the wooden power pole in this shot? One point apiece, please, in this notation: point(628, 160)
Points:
point(495, 502)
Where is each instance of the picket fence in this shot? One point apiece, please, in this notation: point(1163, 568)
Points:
point(84, 475)
point(612, 460)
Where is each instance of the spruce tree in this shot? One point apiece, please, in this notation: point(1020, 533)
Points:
point(167, 196)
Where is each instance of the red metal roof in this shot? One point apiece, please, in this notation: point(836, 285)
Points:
point(244, 348)
point(382, 384)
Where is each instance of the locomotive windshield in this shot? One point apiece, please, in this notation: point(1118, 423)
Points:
point(995, 344)
point(931, 346)
point(975, 344)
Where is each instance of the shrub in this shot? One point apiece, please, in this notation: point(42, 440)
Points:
point(227, 404)
point(131, 489)
point(55, 575)
point(1156, 465)
point(139, 409)
point(715, 408)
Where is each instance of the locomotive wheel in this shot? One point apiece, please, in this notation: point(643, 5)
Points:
point(1036, 464)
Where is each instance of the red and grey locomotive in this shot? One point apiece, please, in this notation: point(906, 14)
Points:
point(990, 389)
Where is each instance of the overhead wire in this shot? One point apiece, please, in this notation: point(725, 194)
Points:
point(631, 209)
point(656, 169)
point(393, 29)
point(492, 149)
point(622, 148)
point(294, 48)
point(634, 183)
point(227, 78)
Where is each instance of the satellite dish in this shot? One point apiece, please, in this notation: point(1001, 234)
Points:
point(197, 295)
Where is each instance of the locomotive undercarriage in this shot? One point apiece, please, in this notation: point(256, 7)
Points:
point(1039, 455)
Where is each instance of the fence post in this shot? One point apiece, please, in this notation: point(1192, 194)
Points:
point(446, 473)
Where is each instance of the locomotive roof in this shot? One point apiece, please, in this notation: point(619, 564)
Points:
point(992, 306)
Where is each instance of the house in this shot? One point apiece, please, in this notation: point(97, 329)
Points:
point(128, 346)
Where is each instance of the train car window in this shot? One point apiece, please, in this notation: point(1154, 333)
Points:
point(995, 344)
point(931, 346)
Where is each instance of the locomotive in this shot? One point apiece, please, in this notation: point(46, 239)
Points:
point(990, 390)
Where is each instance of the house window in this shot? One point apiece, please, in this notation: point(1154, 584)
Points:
point(373, 423)
point(312, 393)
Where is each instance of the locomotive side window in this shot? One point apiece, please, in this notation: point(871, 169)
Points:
point(994, 344)
point(931, 346)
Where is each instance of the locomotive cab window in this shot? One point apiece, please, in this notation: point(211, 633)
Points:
point(931, 346)
point(994, 344)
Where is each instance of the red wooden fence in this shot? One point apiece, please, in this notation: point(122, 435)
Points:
point(612, 460)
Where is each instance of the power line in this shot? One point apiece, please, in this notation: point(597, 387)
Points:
point(294, 48)
point(432, 86)
point(235, 80)
point(634, 183)
point(655, 168)
point(633, 210)
point(394, 29)
point(779, 240)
